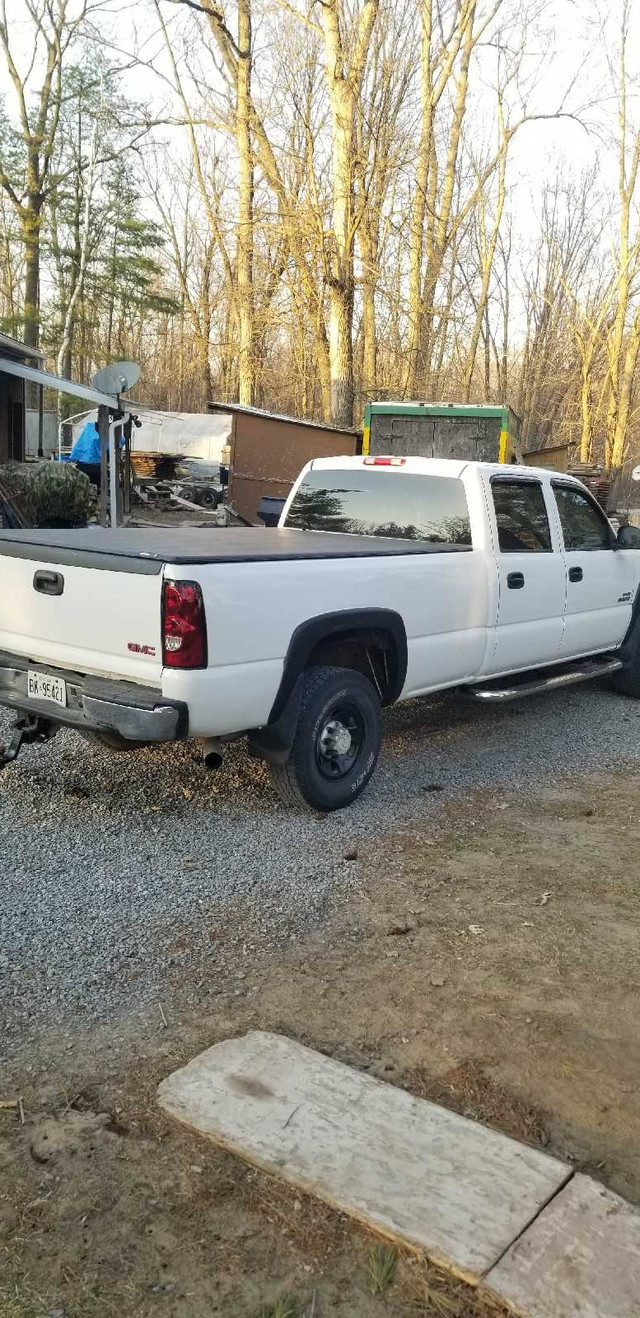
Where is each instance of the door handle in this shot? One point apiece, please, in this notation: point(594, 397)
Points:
point(575, 574)
point(48, 583)
point(515, 580)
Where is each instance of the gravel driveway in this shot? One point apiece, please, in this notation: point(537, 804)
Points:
point(123, 873)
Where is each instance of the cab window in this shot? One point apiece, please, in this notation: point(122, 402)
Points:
point(521, 516)
point(584, 526)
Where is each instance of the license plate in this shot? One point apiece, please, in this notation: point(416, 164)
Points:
point(41, 686)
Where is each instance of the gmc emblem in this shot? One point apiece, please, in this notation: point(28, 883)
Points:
point(141, 649)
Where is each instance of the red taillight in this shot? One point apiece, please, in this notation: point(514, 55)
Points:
point(384, 462)
point(184, 630)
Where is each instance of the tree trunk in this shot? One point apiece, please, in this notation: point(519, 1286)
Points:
point(443, 229)
point(625, 393)
point(341, 355)
point(369, 330)
point(586, 434)
point(344, 81)
point(244, 258)
point(419, 207)
point(487, 256)
point(341, 258)
point(31, 238)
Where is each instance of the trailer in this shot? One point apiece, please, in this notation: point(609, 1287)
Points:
point(475, 432)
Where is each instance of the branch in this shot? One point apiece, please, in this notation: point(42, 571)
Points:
point(215, 16)
point(302, 18)
point(5, 183)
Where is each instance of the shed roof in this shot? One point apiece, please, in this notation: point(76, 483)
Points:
point(279, 416)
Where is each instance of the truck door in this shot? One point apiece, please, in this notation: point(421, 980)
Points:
point(600, 578)
point(531, 577)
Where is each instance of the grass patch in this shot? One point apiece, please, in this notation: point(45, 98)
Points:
point(13, 1307)
point(383, 1266)
point(286, 1307)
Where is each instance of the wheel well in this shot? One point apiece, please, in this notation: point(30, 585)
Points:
point(371, 652)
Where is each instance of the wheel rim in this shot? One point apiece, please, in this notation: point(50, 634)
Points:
point(339, 741)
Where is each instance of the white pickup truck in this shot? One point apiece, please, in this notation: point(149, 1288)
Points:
point(387, 578)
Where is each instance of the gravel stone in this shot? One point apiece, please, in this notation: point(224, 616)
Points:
point(130, 879)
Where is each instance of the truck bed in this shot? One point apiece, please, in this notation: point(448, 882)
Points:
point(145, 550)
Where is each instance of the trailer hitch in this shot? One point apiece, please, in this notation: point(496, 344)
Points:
point(27, 729)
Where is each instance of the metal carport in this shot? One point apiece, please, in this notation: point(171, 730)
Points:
point(112, 415)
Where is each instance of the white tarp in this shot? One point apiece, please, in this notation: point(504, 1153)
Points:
point(189, 434)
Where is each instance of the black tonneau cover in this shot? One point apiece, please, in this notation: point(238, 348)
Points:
point(143, 550)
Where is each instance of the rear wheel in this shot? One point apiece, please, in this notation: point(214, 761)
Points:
point(336, 744)
point(627, 680)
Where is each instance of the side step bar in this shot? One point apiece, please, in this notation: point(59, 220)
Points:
point(583, 672)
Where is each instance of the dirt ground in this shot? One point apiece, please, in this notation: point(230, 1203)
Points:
point(490, 964)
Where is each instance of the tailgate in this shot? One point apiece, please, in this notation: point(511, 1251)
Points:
point(88, 619)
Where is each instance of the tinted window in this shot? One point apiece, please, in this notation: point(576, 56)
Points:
point(583, 525)
point(523, 525)
point(362, 501)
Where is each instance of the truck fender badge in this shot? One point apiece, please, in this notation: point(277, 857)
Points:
point(149, 650)
point(625, 598)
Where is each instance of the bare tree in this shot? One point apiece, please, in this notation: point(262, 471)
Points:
point(624, 338)
point(52, 31)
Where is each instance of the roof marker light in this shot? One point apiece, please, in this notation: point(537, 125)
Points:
point(384, 462)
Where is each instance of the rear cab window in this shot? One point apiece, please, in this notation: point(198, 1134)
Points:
point(521, 517)
point(402, 505)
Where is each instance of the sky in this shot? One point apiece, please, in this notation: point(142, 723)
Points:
point(567, 59)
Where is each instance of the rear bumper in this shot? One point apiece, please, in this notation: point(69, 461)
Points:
point(95, 704)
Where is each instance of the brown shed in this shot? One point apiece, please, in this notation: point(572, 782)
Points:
point(268, 452)
point(556, 457)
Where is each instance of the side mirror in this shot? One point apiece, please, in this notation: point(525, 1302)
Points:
point(629, 537)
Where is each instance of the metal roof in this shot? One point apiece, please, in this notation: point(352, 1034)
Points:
point(412, 407)
point(56, 382)
point(198, 435)
point(18, 348)
point(279, 416)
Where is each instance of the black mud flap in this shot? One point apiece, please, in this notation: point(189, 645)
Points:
point(274, 741)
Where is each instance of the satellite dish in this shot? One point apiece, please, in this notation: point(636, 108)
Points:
point(635, 474)
point(117, 378)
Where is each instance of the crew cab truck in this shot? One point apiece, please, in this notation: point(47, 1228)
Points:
point(387, 578)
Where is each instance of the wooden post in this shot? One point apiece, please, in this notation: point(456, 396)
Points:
point(103, 432)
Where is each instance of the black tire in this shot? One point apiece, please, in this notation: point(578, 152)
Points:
point(114, 741)
point(322, 771)
point(627, 680)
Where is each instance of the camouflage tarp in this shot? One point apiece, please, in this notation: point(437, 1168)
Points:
point(49, 493)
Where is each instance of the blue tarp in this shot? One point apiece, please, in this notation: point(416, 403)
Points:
point(87, 446)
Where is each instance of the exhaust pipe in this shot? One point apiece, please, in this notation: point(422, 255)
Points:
point(212, 753)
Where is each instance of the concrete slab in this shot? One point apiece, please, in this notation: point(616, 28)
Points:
point(408, 1168)
point(579, 1259)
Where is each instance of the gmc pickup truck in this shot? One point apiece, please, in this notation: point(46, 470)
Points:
point(387, 578)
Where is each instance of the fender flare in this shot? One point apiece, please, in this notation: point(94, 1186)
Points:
point(274, 740)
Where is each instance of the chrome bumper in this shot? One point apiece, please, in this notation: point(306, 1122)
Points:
point(95, 704)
